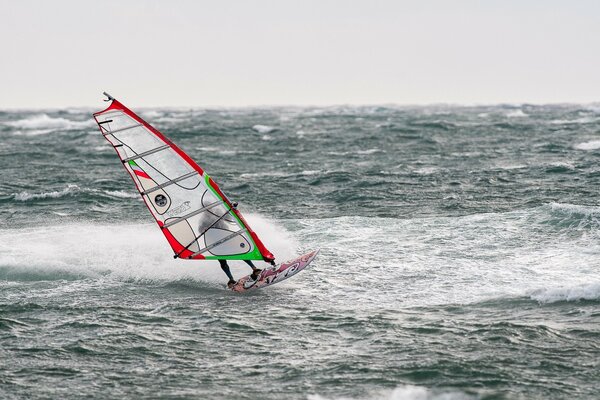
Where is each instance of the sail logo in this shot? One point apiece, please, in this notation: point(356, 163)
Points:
point(179, 209)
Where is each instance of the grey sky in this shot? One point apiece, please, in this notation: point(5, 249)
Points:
point(198, 53)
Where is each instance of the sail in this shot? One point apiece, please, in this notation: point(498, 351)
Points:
point(197, 219)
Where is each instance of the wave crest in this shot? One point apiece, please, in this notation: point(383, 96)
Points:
point(405, 392)
point(589, 291)
point(43, 123)
point(26, 196)
point(590, 145)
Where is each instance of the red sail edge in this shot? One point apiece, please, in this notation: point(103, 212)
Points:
point(178, 247)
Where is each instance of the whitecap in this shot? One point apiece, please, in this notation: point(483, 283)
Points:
point(44, 121)
point(404, 392)
point(122, 194)
point(266, 137)
point(590, 291)
point(370, 151)
point(426, 170)
point(583, 120)
point(152, 114)
point(310, 172)
point(516, 114)
point(263, 128)
point(262, 174)
point(32, 132)
point(574, 209)
point(102, 149)
point(25, 196)
point(562, 164)
point(590, 145)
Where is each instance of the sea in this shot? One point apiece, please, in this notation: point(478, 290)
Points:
point(460, 257)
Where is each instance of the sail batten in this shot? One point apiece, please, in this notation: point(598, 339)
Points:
point(147, 153)
point(162, 185)
point(197, 219)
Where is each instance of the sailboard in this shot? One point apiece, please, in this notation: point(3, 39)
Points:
point(196, 218)
point(276, 274)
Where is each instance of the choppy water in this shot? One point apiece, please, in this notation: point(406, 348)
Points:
point(460, 257)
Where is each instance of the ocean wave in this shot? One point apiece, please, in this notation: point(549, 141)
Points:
point(71, 190)
point(26, 196)
point(263, 174)
point(43, 123)
point(590, 291)
point(370, 151)
point(590, 145)
point(263, 128)
point(575, 209)
point(560, 166)
point(583, 120)
point(310, 172)
point(516, 114)
point(404, 392)
point(152, 114)
point(122, 194)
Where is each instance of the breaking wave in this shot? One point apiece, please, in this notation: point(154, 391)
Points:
point(405, 392)
point(589, 291)
point(43, 123)
point(591, 145)
point(263, 128)
point(122, 194)
point(26, 196)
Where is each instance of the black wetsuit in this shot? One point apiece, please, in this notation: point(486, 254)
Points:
point(225, 268)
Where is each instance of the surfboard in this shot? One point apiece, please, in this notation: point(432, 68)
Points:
point(273, 275)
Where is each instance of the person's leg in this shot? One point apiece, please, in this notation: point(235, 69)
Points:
point(225, 269)
point(255, 271)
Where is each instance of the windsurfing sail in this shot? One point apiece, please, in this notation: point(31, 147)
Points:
point(197, 219)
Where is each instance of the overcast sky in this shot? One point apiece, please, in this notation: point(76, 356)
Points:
point(64, 53)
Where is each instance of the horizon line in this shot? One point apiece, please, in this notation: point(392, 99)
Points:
point(333, 105)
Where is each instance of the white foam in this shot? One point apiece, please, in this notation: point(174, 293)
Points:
point(575, 209)
point(589, 291)
point(516, 114)
point(25, 196)
point(582, 120)
point(32, 132)
point(102, 149)
point(454, 260)
point(426, 170)
point(263, 174)
point(310, 172)
point(151, 114)
point(122, 194)
point(563, 164)
point(370, 151)
point(121, 251)
point(590, 145)
point(44, 123)
point(263, 128)
point(404, 392)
